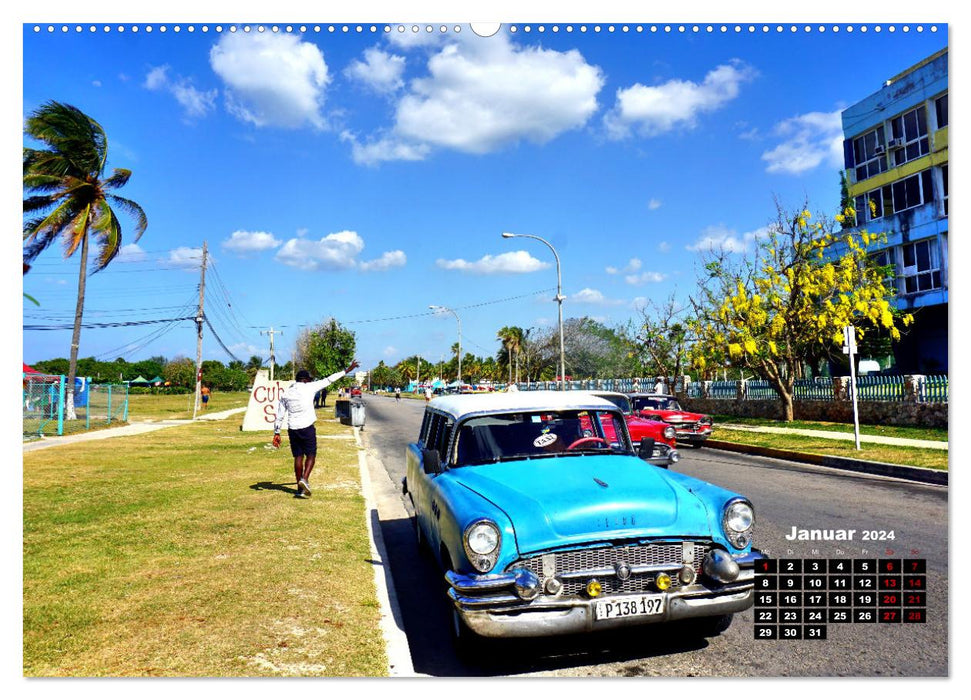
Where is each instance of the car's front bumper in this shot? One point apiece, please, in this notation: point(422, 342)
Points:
point(491, 608)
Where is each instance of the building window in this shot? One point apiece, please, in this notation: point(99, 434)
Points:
point(869, 154)
point(909, 136)
point(921, 268)
point(940, 106)
point(896, 197)
point(944, 182)
point(883, 259)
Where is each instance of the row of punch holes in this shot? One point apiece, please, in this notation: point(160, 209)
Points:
point(512, 29)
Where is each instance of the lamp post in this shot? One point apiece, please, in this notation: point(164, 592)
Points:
point(559, 297)
point(435, 307)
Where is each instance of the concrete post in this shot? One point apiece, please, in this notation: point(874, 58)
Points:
point(841, 388)
point(706, 389)
point(914, 387)
point(741, 390)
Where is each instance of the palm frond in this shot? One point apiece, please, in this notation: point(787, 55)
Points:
point(119, 178)
point(53, 222)
point(39, 203)
point(74, 231)
point(38, 244)
point(133, 210)
point(109, 238)
point(70, 133)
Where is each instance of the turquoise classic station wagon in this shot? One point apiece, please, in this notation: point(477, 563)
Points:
point(545, 520)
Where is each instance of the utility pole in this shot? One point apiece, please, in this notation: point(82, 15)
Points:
point(272, 356)
point(199, 318)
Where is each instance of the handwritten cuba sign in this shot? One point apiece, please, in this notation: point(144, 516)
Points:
point(261, 411)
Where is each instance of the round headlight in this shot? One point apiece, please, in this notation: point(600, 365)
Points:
point(482, 537)
point(739, 516)
point(670, 432)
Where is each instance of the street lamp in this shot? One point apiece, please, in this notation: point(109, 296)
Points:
point(434, 307)
point(559, 297)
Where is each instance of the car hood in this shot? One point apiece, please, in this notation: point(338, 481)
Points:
point(555, 502)
point(672, 416)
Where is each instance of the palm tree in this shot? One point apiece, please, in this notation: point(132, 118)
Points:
point(71, 199)
point(506, 337)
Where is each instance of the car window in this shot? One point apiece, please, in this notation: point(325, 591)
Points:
point(619, 400)
point(654, 403)
point(531, 435)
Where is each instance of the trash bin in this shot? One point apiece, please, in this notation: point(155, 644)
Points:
point(342, 411)
point(358, 414)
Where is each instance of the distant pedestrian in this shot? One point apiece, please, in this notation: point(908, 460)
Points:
point(205, 391)
point(428, 393)
point(397, 393)
point(659, 386)
point(296, 408)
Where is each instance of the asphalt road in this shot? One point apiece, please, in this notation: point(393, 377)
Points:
point(785, 495)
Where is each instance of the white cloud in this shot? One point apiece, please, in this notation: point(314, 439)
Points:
point(246, 349)
point(809, 140)
point(409, 39)
point(272, 79)
point(653, 110)
point(515, 262)
point(390, 351)
point(185, 257)
point(335, 251)
point(481, 96)
point(645, 277)
point(388, 260)
point(379, 70)
point(195, 102)
point(383, 148)
point(664, 246)
point(243, 242)
point(633, 265)
point(654, 204)
point(595, 297)
point(130, 253)
point(722, 238)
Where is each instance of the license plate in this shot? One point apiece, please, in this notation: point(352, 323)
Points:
point(630, 606)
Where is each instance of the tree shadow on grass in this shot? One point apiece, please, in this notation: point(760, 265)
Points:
point(270, 486)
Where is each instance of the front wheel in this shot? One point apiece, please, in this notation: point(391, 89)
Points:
point(696, 444)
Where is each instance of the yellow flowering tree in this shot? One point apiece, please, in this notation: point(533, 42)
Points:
point(807, 280)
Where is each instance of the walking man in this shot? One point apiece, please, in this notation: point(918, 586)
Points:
point(296, 406)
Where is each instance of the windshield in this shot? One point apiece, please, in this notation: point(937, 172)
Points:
point(618, 400)
point(655, 403)
point(538, 434)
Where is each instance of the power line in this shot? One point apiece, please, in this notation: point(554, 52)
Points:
point(218, 339)
point(107, 324)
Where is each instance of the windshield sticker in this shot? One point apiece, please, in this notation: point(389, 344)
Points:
point(545, 440)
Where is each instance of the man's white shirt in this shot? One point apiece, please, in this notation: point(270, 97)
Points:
point(296, 405)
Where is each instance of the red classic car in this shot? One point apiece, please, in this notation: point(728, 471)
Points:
point(663, 435)
point(693, 428)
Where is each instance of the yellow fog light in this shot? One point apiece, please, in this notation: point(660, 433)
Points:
point(594, 589)
point(663, 582)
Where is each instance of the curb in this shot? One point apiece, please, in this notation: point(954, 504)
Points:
point(396, 642)
point(896, 471)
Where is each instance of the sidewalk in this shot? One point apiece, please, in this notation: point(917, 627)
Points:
point(130, 429)
point(829, 435)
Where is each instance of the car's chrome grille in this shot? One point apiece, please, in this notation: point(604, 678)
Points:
point(668, 554)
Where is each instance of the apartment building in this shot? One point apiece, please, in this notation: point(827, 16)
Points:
point(895, 150)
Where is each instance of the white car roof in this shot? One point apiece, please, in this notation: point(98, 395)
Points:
point(463, 405)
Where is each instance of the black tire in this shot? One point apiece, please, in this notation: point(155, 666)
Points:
point(696, 444)
point(712, 626)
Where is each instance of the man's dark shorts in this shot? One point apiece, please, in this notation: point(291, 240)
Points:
point(303, 441)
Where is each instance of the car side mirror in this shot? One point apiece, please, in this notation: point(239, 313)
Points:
point(645, 450)
point(431, 461)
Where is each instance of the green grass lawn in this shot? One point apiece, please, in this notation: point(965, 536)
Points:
point(179, 406)
point(182, 552)
point(891, 454)
point(902, 431)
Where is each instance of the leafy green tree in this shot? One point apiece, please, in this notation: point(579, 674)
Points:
point(806, 281)
point(70, 199)
point(325, 349)
point(660, 342)
point(181, 371)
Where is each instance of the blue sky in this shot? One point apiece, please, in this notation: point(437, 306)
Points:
point(368, 175)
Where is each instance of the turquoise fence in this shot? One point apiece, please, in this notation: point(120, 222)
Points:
point(44, 405)
point(935, 389)
point(880, 388)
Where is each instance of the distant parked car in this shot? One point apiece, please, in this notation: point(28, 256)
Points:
point(664, 436)
point(544, 521)
point(692, 428)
